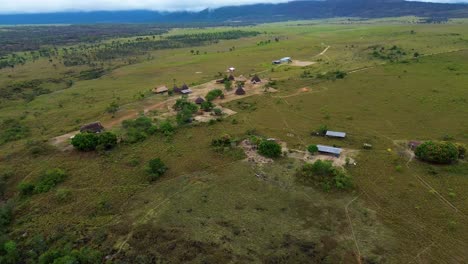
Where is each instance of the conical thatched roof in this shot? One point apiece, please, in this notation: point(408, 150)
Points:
point(256, 79)
point(199, 100)
point(240, 91)
point(184, 87)
point(176, 89)
point(231, 77)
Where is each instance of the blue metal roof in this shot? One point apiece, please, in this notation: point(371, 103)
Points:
point(328, 149)
point(335, 134)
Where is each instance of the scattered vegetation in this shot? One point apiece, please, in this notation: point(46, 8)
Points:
point(92, 141)
point(139, 129)
point(12, 130)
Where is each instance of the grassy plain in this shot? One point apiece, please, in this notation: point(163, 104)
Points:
point(212, 207)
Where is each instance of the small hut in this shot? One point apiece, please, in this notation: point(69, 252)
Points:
point(231, 78)
point(160, 90)
point(176, 89)
point(95, 127)
point(414, 144)
point(184, 87)
point(256, 79)
point(240, 91)
point(220, 81)
point(199, 101)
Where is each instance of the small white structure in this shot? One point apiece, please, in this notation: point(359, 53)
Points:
point(186, 91)
point(231, 69)
point(283, 60)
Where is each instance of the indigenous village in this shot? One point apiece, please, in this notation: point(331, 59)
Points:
point(337, 140)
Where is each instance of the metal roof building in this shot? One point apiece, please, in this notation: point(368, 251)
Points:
point(335, 134)
point(329, 150)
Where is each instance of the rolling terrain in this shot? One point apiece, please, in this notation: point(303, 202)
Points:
point(383, 81)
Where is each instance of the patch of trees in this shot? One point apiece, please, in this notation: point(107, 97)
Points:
point(93, 54)
point(392, 54)
point(139, 129)
point(92, 141)
point(28, 90)
point(213, 94)
point(46, 181)
point(12, 130)
point(185, 110)
point(92, 74)
point(440, 152)
point(333, 75)
point(31, 38)
point(324, 174)
point(269, 149)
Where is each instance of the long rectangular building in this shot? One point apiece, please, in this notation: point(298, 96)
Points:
point(329, 150)
point(335, 134)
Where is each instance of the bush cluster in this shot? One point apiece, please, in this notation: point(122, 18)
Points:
point(12, 130)
point(91, 141)
point(139, 129)
point(437, 152)
point(269, 149)
point(48, 180)
point(213, 94)
point(324, 174)
point(156, 168)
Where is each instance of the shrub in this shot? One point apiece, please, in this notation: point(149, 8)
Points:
point(312, 149)
point(206, 106)
point(156, 168)
point(83, 255)
point(217, 111)
point(107, 140)
point(10, 253)
point(138, 129)
point(12, 130)
point(437, 152)
point(223, 141)
point(213, 94)
point(26, 188)
point(322, 130)
point(269, 148)
point(461, 150)
point(85, 141)
point(49, 180)
point(6, 215)
point(62, 195)
point(166, 128)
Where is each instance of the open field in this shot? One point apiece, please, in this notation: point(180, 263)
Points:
point(216, 207)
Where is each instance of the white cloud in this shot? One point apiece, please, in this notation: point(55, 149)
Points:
point(36, 6)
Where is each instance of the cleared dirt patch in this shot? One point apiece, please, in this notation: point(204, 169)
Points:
point(299, 63)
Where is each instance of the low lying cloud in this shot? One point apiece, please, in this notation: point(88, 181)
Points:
point(42, 6)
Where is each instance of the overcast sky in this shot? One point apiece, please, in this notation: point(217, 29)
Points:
point(40, 6)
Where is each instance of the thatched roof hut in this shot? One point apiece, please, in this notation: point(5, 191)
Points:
point(184, 87)
point(256, 79)
point(240, 91)
point(199, 100)
point(161, 89)
point(231, 77)
point(95, 127)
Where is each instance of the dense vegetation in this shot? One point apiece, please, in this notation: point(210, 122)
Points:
point(92, 141)
point(324, 174)
point(269, 149)
point(437, 152)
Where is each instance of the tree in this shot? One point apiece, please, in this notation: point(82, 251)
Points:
point(112, 108)
point(107, 140)
point(228, 85)
point(269, 148)
point(206, 106)
point(156, 168)
point(11, 255)
point(213, 94)
point(312, 149)
point(166, 128)
point(85, 141)
point(184, 116)
point(437, 152)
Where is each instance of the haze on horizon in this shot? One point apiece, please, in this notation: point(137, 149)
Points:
point(47, 6)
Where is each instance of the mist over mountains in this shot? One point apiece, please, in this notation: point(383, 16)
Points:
point(255, 13)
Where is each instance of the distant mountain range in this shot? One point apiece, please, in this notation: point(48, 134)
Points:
point(294, 10)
